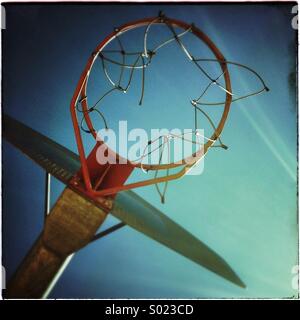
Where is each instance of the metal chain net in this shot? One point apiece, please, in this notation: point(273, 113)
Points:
point(142, 60)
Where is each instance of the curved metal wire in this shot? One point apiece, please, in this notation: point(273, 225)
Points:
point(163, 192)
point(142, 60)
point(146, 35)
point(90, 111)
point(264, 88)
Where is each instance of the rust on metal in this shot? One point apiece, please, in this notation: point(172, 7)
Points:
point(71, 225)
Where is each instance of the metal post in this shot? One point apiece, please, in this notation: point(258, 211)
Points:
point(47, 194)
point(70, 226)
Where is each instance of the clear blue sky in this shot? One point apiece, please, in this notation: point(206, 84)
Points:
point(244, 205)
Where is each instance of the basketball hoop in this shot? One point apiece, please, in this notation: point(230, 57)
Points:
point(106, 180)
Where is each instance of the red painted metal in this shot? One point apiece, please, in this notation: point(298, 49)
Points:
point(102, 176)
point(97, 180)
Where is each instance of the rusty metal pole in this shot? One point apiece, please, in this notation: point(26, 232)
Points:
point(47, 194)
point(71, 224)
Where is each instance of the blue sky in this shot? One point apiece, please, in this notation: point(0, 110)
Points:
point(244, 205)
